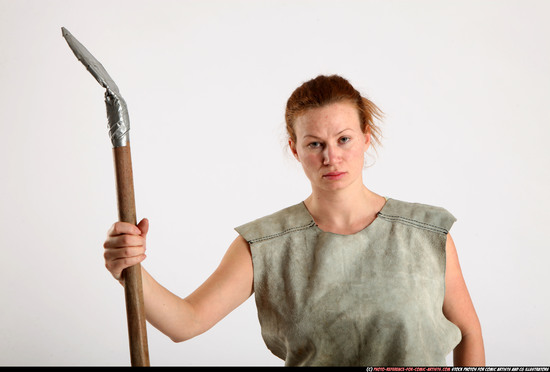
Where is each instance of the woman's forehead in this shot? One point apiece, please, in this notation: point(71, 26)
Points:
point(331, 119)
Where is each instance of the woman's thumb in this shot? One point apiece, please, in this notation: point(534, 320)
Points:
point(143, 225)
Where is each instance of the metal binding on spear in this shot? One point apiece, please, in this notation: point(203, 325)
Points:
point(119, 127)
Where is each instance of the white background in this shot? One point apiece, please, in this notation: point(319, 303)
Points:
point(465, 86)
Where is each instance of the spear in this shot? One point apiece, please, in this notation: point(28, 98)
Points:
point(119, 127)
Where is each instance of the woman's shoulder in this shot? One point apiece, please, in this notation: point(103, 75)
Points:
point(282, 222)
point(429, 217)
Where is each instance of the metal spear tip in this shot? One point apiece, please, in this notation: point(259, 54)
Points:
point(89, 61)
point(117, 111)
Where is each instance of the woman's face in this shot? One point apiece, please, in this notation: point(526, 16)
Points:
point(330, 146)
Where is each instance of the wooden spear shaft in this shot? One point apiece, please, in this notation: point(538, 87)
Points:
point(119, 126)
point(133, 289)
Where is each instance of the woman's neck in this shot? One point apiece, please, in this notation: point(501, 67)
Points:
point(344, 211)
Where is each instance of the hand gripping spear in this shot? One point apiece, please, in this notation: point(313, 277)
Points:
point(119, 126)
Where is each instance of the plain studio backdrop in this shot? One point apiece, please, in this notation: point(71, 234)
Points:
point(465, 87)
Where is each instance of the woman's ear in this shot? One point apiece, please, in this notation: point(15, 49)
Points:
point(292, 146)
point(367, 139)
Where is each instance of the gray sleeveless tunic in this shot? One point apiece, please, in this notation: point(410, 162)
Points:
point(371, 298)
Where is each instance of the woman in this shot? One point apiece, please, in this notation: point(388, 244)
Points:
point(347, 277)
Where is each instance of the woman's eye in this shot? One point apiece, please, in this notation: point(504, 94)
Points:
point(314, 145)
point(344, 139)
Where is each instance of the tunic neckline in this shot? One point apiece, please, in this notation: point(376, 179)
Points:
point(364, 229)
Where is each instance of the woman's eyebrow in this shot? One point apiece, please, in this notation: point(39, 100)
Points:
point(343, 131)
point(314, 136)
point(310, 135)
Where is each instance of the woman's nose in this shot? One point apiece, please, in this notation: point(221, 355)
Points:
point(330, 155)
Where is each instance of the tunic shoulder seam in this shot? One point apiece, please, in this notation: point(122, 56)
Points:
point(414, 223)
point(281, 233)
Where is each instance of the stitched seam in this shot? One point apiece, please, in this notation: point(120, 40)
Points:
point(415, 223)
point(288, 231)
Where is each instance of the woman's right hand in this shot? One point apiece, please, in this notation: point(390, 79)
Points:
point(124, 246)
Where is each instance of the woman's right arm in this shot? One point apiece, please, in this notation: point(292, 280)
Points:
point(182, 318)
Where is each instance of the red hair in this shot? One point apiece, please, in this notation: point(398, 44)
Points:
point(324, 90)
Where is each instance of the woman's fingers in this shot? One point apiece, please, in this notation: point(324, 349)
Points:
point(116, 266)
point(122, 241)
point(125, 246)
point(125, 252)
point(120, 228)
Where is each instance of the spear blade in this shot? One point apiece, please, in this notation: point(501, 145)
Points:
point(117, 110)
point(89, 61)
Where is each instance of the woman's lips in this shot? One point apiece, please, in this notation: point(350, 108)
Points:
point(334, 175)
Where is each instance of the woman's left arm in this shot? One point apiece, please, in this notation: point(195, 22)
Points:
point(459, 309)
